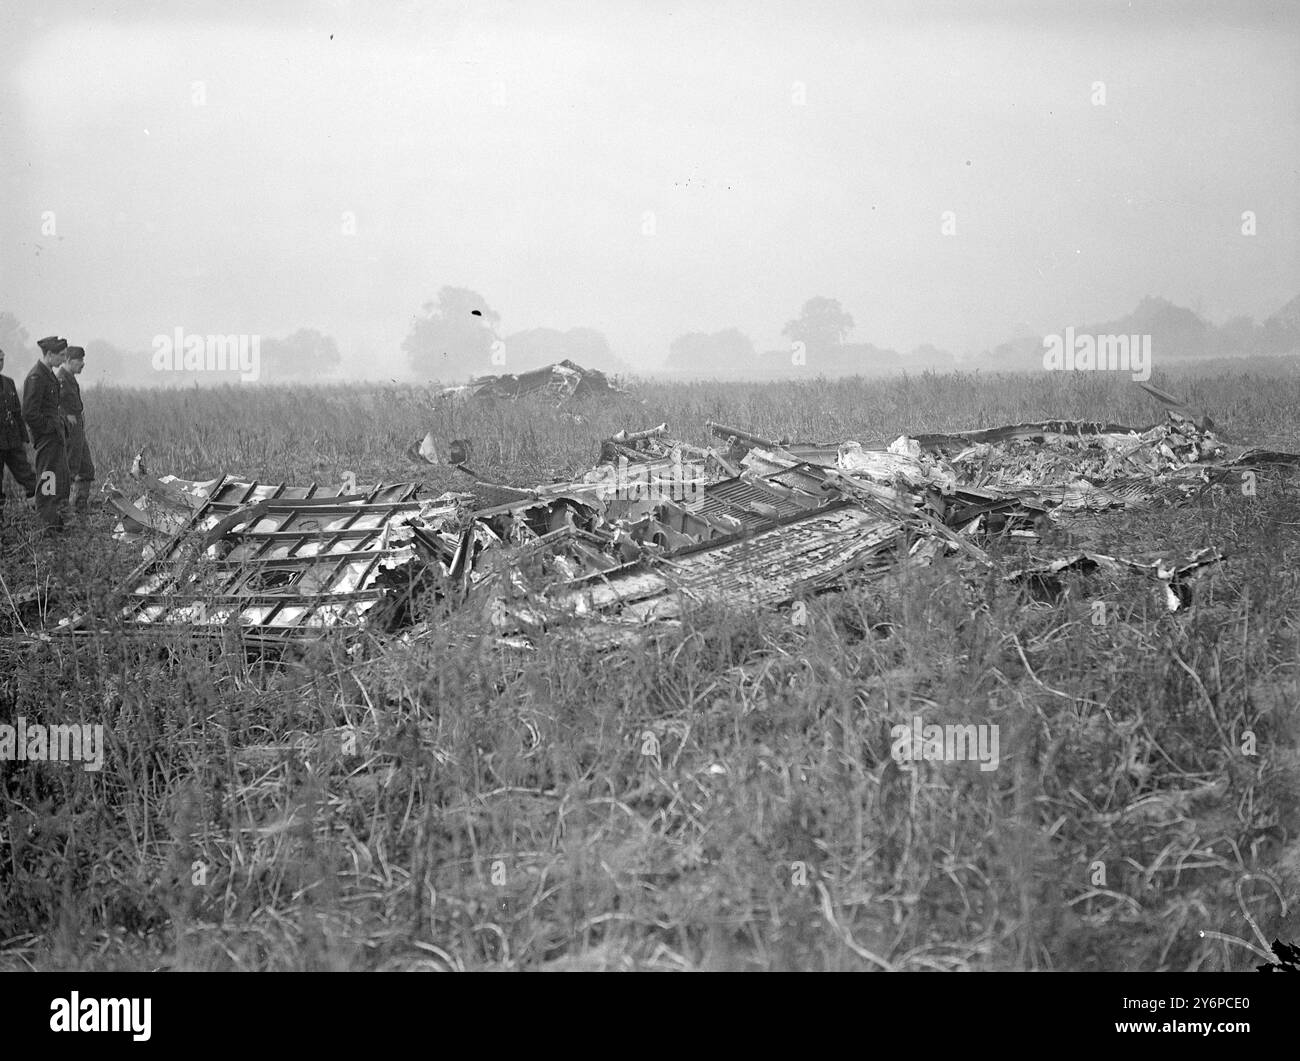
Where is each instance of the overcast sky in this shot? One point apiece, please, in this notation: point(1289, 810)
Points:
point(200, 161)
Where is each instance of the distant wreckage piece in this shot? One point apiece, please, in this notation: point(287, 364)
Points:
point(558, 382)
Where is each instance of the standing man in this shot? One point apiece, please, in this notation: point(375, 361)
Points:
point(80, 466)
point(49, 431)
point(13, 438)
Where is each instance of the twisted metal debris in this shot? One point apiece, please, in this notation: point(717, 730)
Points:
point(654, 525)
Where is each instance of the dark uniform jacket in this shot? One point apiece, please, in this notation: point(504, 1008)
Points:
point(70, 403)
point(41, 403)
point(13, 432)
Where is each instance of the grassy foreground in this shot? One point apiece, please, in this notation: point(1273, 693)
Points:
point(722, 797)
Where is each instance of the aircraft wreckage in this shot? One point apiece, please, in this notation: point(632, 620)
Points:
point(657, 523)
point(558, 382)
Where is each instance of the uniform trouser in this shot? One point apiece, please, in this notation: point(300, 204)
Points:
point(15, 459)
point(80, 466)
point(52, 482)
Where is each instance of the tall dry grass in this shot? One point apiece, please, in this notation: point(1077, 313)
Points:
point(720, 797)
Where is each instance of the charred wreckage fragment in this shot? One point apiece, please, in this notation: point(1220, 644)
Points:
point(558, 382)
point(656, 525)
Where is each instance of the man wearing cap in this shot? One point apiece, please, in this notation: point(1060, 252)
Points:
point(49, 431)
point(80, 465)
point(13, 438)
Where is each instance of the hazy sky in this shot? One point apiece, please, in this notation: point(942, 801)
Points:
point(785, 150)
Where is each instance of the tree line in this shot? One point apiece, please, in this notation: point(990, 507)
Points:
point(457, 335)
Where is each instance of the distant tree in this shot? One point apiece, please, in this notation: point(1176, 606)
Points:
point(929, 356)
point(821, 325)
point(533, 348)
point(728, 352)
point(1240, 335)
point(108, 364)
point(1279, 336)
point(14, 341)
point(454, 337)
point(536, 347)
point(589, 348)
point(687, 351)
point(305, 353)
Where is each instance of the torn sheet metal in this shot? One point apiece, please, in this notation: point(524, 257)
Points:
point(903, 461)
point(1176, 577)
point(1179, 408)
point(162, 508)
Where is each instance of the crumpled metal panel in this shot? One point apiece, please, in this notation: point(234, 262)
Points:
point(767, 568)
point(771, 567)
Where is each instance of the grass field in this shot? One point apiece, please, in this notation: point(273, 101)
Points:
point(720, 797)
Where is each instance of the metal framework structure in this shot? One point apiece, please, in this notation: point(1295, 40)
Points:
point(275, 558)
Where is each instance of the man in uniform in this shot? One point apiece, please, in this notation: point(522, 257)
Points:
point(80, 465)
point(13, 438)
point(49, 431)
